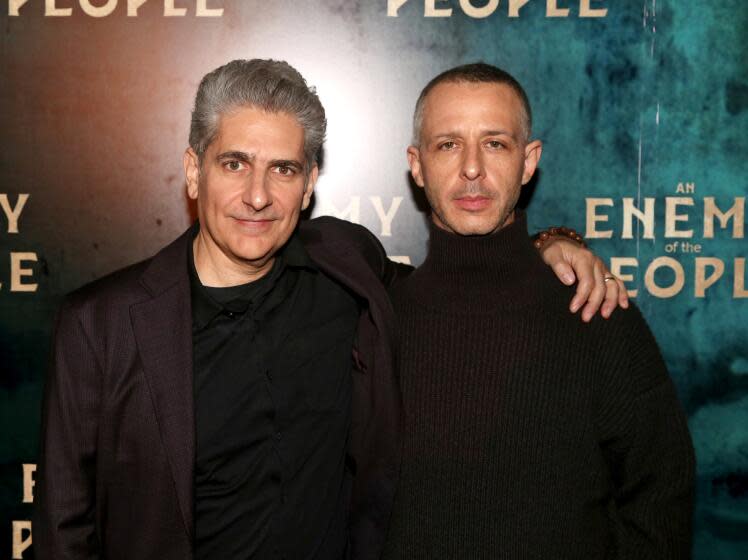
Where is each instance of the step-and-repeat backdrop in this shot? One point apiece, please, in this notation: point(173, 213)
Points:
point(642, 104)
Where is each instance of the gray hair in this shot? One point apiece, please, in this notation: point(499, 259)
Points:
point(478, 72)
point(271, 85)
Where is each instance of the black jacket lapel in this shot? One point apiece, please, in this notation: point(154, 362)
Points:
point(163, 332)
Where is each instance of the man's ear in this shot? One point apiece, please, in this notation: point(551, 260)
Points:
point(311, 180)
point(414, 161)
point(533, 150)
point(191, 172)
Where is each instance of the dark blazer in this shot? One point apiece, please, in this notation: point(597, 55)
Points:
point(115, 476)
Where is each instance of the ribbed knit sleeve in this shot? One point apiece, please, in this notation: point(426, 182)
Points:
point(644, 435)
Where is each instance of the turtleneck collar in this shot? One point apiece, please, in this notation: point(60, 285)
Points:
point(480, 273)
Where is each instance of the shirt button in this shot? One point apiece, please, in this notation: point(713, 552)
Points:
point(278, 436)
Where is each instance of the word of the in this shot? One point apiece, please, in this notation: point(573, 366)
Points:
point(683, 247)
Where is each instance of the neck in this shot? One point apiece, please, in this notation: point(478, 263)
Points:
point(436, 222)
point(217, 270)
point(482, 273)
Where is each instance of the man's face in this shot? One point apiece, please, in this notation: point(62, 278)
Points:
point(250, 187)
point(473, 156)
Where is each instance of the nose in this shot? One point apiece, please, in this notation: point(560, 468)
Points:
point(472, 163)
point(256, 195)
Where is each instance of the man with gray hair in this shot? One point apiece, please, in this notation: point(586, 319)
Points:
point(234, 395)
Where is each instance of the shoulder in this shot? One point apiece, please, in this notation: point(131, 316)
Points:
point(621, 350)
point(143, 279)
point(338, 238)
point(135, 283)
point(624, 328)
point(345, 249)
point(121, 287)
point(628, 349)
point(330, 230)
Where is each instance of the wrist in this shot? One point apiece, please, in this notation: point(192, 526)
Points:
point(547, 236)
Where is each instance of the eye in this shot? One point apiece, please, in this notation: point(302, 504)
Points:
point(285, 170)
point(233, 165)
point(448, 145)
point(494, 144)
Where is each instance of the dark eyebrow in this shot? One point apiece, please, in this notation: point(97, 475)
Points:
point(241, 156)
point(292, 163)
point(453, 134)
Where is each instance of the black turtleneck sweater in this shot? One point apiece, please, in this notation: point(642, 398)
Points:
point(528, 433)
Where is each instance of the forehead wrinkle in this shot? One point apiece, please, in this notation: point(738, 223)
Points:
point(244, 131)
point(496, 132)
point(513, 98)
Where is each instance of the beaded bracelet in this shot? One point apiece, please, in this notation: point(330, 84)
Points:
point(541, 238)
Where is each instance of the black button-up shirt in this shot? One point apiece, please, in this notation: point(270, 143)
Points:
point(272, 382)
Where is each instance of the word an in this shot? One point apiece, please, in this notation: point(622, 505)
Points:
point(483, 9)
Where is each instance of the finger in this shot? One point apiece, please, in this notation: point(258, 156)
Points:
point(596, 295)
point(584, 270)
point(612, 291)
point(623, 294)
point(565, 272)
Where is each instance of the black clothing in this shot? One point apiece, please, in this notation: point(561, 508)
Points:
point(116, 470)
point(528, 433)
point(271, 434)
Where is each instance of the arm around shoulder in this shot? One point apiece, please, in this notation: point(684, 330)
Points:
point(365, 242)
point(389, 272)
